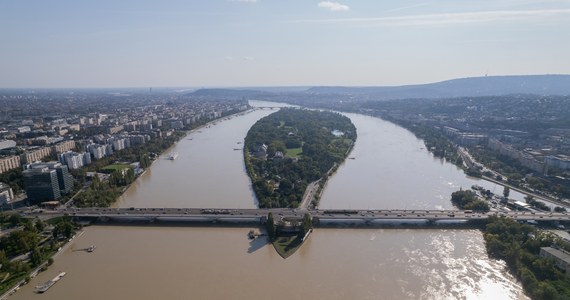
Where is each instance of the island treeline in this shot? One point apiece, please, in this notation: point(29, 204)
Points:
point(287, 150)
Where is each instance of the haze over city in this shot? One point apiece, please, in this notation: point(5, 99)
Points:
point(277, 43)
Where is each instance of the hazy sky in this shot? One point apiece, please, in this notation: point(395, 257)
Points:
point(131, 43)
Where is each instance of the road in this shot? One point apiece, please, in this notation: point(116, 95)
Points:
point(310, 193)
point(323, 215)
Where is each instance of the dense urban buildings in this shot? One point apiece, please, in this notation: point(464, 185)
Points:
point(72, 130)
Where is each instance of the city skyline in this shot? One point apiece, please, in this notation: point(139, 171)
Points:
point(230, 43)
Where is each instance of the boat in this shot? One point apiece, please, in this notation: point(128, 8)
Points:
point(44, 287)
point(91, 248)
point(173, 156)
point(237, 149)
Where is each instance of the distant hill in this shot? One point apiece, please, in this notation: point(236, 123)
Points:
point(474, 86)
point(233, 93)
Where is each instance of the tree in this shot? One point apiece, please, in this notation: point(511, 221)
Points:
point(270, 226)
point(145, 161)
point(64, 227)
point(40, 225)
point(506, 191)
point(36, 257)
point(95, 182)
point(129, 176)
point(468, 200)
point(306, 224)
point(459, 161)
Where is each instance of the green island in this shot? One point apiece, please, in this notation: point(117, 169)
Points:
point(289, 155)
point(468, 200)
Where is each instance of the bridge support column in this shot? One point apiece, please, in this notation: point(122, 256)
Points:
point(316, 221)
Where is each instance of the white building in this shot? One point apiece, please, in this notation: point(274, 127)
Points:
point(73, 160)
point(6, 144)
point(97, 151)
point(6, 194)
point(561, 162)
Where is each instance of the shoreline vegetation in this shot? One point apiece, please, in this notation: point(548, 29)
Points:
point(105, 193)
point(442, 147)
point(522, 247)
point(30, 248)
point(519, 245)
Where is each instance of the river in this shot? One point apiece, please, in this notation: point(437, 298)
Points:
point(390, 169)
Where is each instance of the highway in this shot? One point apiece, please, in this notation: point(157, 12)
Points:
point(322, 215)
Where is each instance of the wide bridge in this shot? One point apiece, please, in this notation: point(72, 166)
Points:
point(258, 215)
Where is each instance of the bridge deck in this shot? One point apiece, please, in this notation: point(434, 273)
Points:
point(322, 215)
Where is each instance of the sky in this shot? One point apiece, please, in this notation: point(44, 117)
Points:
point(231, 43)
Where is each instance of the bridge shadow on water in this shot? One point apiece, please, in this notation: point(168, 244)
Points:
point(257, 244)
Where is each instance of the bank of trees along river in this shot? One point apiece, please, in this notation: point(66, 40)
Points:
point(519, 245)
point(28, 245)
point(287, 150)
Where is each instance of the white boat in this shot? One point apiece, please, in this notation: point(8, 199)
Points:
point(44, 287)
point(173, 156)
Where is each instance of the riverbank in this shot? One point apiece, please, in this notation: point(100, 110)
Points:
point(433, 138)
point(41, 268)
point(525, 192)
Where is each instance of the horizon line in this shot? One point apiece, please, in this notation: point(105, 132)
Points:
point(269, 86)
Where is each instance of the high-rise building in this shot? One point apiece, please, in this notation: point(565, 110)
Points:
point(73, 160)
point(64, 179)
point(41, 184)
point(47, 181)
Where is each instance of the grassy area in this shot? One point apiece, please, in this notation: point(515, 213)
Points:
point(294, 152)
point(115, 167)
point(8, 284)
point(287, 245)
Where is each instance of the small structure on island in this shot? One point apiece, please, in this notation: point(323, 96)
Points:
point(288, 233)
point(260, 151)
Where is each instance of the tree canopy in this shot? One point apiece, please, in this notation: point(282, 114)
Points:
point(287, 150)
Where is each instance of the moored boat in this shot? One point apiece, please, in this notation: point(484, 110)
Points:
point(173, 156)
point(44, 287)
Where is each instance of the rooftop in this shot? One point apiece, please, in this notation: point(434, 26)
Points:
point(563, 255)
